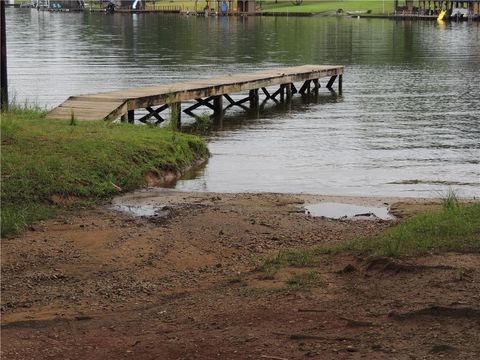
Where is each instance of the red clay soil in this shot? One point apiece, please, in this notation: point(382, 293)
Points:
point(99, 284)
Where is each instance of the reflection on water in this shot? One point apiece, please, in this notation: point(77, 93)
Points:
point(347, 211)
point(408, 122)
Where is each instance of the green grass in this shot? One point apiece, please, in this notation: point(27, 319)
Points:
point(308, 6)
point(450, 201)
point(303, 281)
point(272, 263)
point(296, 258)
point(454, 228)
point(312, 6)
point(84, 163)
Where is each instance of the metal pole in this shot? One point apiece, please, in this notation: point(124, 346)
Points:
point(3, 60)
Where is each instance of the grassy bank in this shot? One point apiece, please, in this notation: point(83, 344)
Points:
point(284, 6)
point(49, 165)
point(315, 6)
point(455, 228)
point(280, 6)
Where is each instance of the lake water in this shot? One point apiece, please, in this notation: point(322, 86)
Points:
point(408, 123)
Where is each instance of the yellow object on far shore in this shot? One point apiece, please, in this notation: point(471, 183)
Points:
point(441, 16)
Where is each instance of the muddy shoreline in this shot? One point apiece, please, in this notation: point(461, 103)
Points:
point(100, 284)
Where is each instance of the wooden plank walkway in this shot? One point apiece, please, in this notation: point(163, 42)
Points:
point(206, 92)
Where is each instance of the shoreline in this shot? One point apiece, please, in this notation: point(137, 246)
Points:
point(139, 203)
point(96, 161)
point(330, 13)
point(226, 274)
point(171, 194)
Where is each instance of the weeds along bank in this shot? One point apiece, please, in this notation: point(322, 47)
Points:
point(328, 7)
point(52, 165)
point(454, 229)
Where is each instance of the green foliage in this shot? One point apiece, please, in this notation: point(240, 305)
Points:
point(16, 217)
point(297, 258)
point(87, 162)
point(73, 121)
point(32, 108)
point(202, 124)
point(450, 201)
point(303, 281)
point(271, 264)
point(330, 7)
point(454, 228)
point(322, 250)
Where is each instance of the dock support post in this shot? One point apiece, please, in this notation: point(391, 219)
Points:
point(340, 80)
point(316, 86)
point(131, 116)
point(288, 88)
point(218, 105)
point(3, 60)
point(253, 95)
point(176, 115)
point(282, 93)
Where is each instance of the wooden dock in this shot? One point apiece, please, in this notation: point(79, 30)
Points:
point(206, 92)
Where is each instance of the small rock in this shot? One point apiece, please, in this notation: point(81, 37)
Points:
point(347, 269)
point(442, 348)
point(351, 348)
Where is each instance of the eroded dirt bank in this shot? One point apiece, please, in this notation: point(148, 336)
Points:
point(100, 284)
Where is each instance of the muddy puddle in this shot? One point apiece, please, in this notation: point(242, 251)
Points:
point(333, 210)
point(142, 210)
point(155, 203)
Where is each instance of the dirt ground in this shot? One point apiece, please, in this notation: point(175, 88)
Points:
point(101, 284)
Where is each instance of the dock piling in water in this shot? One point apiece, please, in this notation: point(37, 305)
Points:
point(206, 92)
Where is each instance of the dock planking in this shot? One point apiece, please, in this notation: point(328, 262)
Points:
point(206, 92)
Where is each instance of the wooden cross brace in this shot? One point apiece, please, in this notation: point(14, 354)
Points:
point(217, 106)
point(236, 103)
point(155, 113)
point(200, 102)
point(330, 82)
point(280, 91)
point(305, 87)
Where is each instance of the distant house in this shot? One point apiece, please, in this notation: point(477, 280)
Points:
point(403, 6)
point(246, 6)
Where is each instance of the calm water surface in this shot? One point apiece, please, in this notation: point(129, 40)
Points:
point(408, 123)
